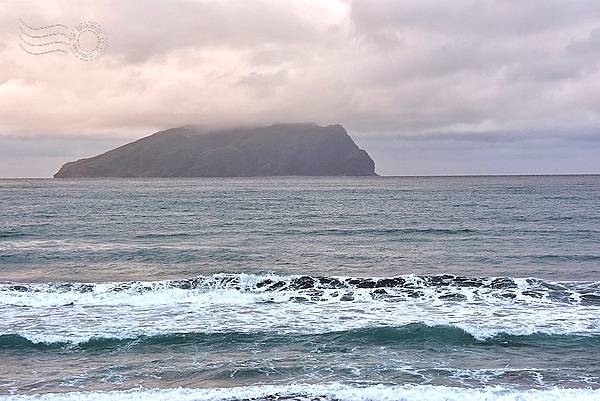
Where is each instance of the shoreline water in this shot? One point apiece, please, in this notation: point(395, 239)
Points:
point(337, 392)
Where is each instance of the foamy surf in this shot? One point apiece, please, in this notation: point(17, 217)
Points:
point(338, 392)
point(248, 303)
point(269, 287)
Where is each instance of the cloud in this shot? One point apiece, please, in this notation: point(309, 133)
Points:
point(385, 69)
point(484, 19)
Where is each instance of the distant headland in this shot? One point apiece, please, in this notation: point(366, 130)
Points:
point(277, 150)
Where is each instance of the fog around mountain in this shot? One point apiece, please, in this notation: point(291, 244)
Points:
point(275, 150)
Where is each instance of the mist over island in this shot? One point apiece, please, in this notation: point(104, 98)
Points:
point(276, 150)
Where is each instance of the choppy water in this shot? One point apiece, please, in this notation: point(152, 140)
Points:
point(308, 289)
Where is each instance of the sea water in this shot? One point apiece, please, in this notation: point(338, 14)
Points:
point(450, 288)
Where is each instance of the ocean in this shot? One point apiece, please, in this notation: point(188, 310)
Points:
point(380, 288)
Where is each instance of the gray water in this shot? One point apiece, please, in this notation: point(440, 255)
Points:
point(337, 288)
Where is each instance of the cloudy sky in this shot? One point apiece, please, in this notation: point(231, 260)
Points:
point(425, 86)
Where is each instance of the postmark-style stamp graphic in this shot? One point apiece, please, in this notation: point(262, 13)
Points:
point(87, 40)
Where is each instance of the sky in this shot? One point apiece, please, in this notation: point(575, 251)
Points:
point(427, 87)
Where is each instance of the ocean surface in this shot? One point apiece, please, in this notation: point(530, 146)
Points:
point(455, 288)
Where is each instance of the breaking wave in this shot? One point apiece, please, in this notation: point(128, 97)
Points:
point(414, 333)
point(326, 392)
point(307, 288)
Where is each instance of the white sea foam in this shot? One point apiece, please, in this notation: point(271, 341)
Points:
point(246, 288)
point(243, 303)
point(340, 392)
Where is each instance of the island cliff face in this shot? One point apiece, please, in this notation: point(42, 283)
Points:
point(276, 150)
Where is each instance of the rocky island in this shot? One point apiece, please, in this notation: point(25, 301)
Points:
point(275, 150)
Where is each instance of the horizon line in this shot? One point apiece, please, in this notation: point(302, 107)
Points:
point(324, 176)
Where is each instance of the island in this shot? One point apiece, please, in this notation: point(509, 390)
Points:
point(275, 150)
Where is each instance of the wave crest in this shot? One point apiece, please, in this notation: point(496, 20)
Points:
point(414, 333)
point(445, 288)
point(329, 392)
